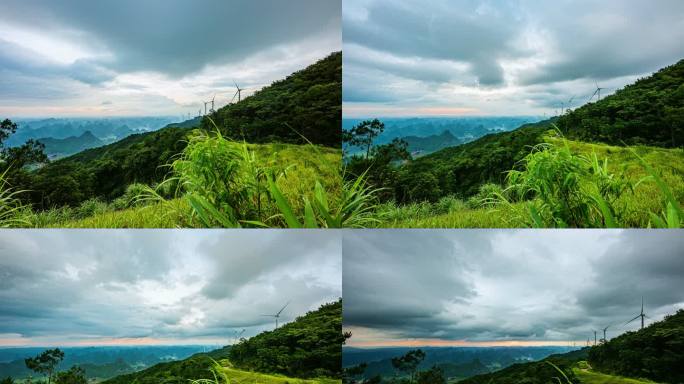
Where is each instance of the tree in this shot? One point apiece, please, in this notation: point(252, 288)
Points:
point(433, 375)
point(46, 362)
point(31, 152)
point(7, 380)
point(75, 375)
point(7, 127)
point(409, 362)
point(363, 134)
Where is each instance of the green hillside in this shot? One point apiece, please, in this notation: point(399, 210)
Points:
point(648, 112)
point(538, 372)
point(311, 346)
point(651, 355)
point(655, 352)
point(305, 351)
point(307, 103)
point(568, 171)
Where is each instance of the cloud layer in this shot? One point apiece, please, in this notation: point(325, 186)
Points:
point(89, 287)
point(67, 58)
point(504, 285)
point(500, 56)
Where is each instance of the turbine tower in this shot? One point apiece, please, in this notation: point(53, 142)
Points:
point(604, 333)
point(277, 315)
point(205, 107)
point(596, 92)
point(594, 337)
point(642, 314)
point(238, 93)
point(212, 104)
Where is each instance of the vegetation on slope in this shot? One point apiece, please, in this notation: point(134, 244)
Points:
point(655, 352)
point(308, 348)
point(307, 101)
point(648, 112)
point(638, 200)
point(305, 106)
point(311, 346)
point(217, 183)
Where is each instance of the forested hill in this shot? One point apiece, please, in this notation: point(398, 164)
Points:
point(650, 111)
point(462, 169)
point(308, 100)
point(307, 103)
point(655, 352)
point(310, 346)
point(537, 372)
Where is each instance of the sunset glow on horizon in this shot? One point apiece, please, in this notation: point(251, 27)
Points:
point(459, 343)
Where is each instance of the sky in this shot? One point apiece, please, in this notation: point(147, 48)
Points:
point(159, 287)
point(132, 58)
point(499, 57)
point(506, 287)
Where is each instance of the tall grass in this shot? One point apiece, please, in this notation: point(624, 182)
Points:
point(12, 211)
point(227, 184)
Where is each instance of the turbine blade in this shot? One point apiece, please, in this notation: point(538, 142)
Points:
point(637, 316)
point(288, 303)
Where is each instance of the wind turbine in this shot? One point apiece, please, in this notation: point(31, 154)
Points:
point(594, 337)
point(596, 92)
point(604, 333)
point(205, 106)
point(238, 93)
point(642, 314)
point(212, 104)
point(277, 315)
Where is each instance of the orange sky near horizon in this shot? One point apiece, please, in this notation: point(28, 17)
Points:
point(461, 343)
point(106, 342)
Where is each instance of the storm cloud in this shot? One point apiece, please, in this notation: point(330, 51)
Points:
point(506, 285)
point(90, 287)
point(500, 56)
point(184, 50)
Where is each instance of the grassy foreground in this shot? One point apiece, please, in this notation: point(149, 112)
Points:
point(300, 166)
point(634, 205)
point(591, 377)
point(236, 376)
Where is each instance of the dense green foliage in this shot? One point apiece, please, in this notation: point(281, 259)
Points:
point(311, 346)
point(461, 170)
point(655, 352)
point(106, 171)
point(75, 375)
point(538, 372)
point(306, 105)
point(650, 111)
point(175, 372)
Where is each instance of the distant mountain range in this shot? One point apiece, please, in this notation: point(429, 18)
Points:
point(430, 134)
point(455, 362)
point(107, 129)
point(56, 148)
point(99, 362)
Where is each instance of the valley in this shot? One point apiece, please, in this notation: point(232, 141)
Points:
point(273, 149)
point(614, 162)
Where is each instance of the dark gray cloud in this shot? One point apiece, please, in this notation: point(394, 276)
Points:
point(181, 38)
point(468, 53)
point(186, 51)
point(498, 285)
point(61, 286)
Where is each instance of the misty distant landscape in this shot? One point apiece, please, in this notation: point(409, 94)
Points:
point(99, 362)
point(425, 135)
point(66, 136)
